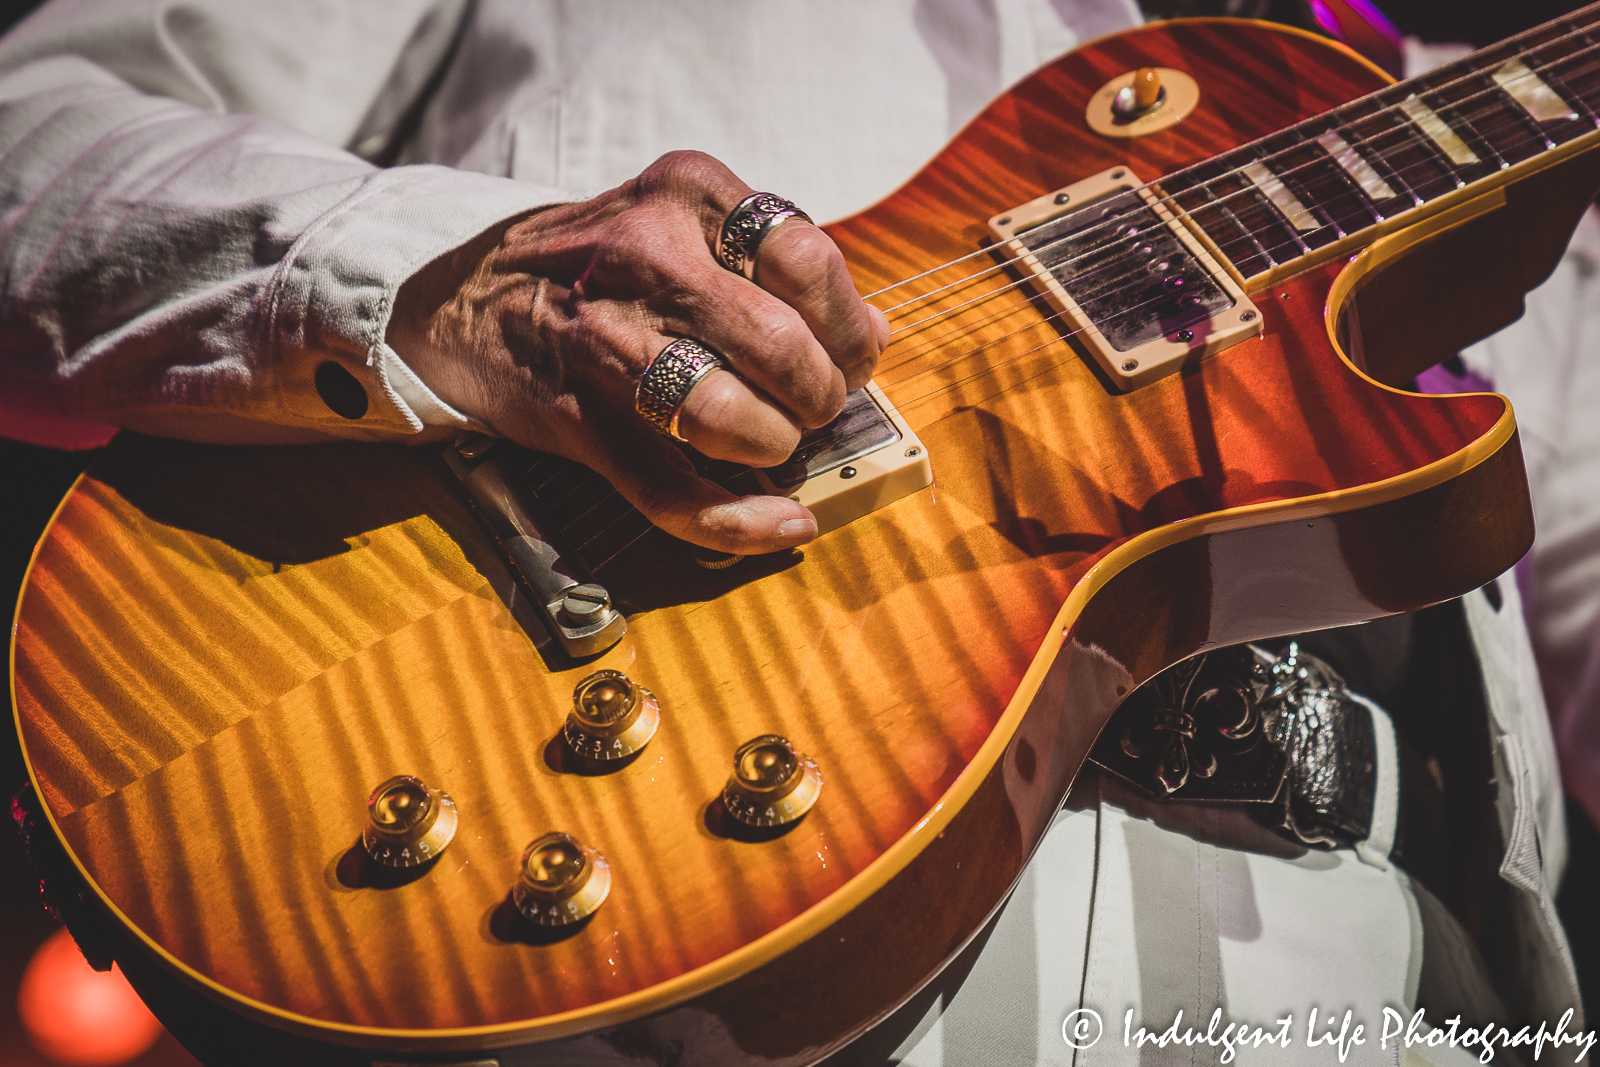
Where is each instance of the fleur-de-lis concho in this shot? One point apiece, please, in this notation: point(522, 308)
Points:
point(1181, 726)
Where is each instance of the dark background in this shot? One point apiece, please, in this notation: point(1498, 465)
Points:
point(33, 480)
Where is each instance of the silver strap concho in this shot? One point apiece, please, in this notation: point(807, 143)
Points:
point(747, 225)
point(668, 381)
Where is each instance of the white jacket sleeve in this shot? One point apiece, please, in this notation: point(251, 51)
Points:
point(173, 264)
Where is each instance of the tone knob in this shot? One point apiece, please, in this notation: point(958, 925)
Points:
point(772, 784)
point(561, 881)
point(407, 823)
point(611, 717)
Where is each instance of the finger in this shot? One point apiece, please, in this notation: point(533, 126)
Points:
point(765, 340)
point(720, 414)
point(800, 265)
point(725, 419)
point(657, 479)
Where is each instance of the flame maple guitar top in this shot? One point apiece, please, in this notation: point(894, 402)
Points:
point(221, 651)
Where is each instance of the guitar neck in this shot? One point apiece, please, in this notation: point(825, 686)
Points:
point(1334, 183)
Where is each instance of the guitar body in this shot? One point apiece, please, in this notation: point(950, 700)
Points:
point(220, 651)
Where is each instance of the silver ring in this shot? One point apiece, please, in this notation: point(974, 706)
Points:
point(668, 381)
point(747, 225)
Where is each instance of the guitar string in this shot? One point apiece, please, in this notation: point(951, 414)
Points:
point(909, 358)
point(934, 344)
point(1270, 252)
point(1481, 127)
point(1465, 61)
point(1458, 106)
point(1061, 335)
point(1250, 190)
point(1474, 119)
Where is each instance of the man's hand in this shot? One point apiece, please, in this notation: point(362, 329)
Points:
point(542, 330)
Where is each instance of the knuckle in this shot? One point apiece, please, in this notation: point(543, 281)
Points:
point(716, 400)
point(686, 175)
point(785, 333)
point(811, 254)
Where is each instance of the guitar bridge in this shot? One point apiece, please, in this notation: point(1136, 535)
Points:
point(1128, 281)
point(558, 523)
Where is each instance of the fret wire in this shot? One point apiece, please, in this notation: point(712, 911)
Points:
point(1300, 191)
point(1378, 160)
point(1282, 245)
point(1278, 247)
point(584, 481)
point(1519, 120)
point(1244, 229)
point(627, 513)
point(1218, 203)
point(1529, 124)
point(1410, 131)
point(1572, 97)
point(1205, 201)
point(1340, 174)
point(1239, 225)
point(1573, 94)
point(1372, 144)
point(1446, 166)
point(1484, 142)
point(1316, 206)
point(1343, 199)
point(1530, 127)
point(1415, 135)
point(1410, 134)
point(1247, 232)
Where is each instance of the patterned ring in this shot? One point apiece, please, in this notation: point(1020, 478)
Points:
point(747, 225)
point(668, 381)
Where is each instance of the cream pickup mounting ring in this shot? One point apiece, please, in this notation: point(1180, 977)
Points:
point(1177, 95)
point(1168, 304)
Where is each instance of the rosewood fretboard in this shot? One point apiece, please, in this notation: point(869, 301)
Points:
point(1274, 203)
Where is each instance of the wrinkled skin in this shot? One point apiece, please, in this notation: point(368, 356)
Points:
point(542, 328)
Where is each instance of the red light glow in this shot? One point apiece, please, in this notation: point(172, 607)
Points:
point(78, 1016)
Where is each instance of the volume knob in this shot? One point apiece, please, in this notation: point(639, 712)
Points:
point(407, 823)
point(560, 882)
point(611, 717)
point(772, 784)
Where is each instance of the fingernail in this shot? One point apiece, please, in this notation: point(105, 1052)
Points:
point(797, 530)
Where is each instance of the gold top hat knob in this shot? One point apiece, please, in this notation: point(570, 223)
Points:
point(772, 784)
point(560, 881)
point(407, 823)
point(611, 717)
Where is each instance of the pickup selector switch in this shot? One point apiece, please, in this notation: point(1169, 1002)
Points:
point(611, 717)
point(772, 784)
point(560, 882)
point(408, 824)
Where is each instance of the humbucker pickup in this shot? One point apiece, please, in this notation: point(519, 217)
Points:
point(1128, 281)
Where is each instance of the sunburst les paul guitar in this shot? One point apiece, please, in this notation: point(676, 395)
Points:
point(1163, 295)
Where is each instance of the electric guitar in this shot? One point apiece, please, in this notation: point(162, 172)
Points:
point(1162, 297)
